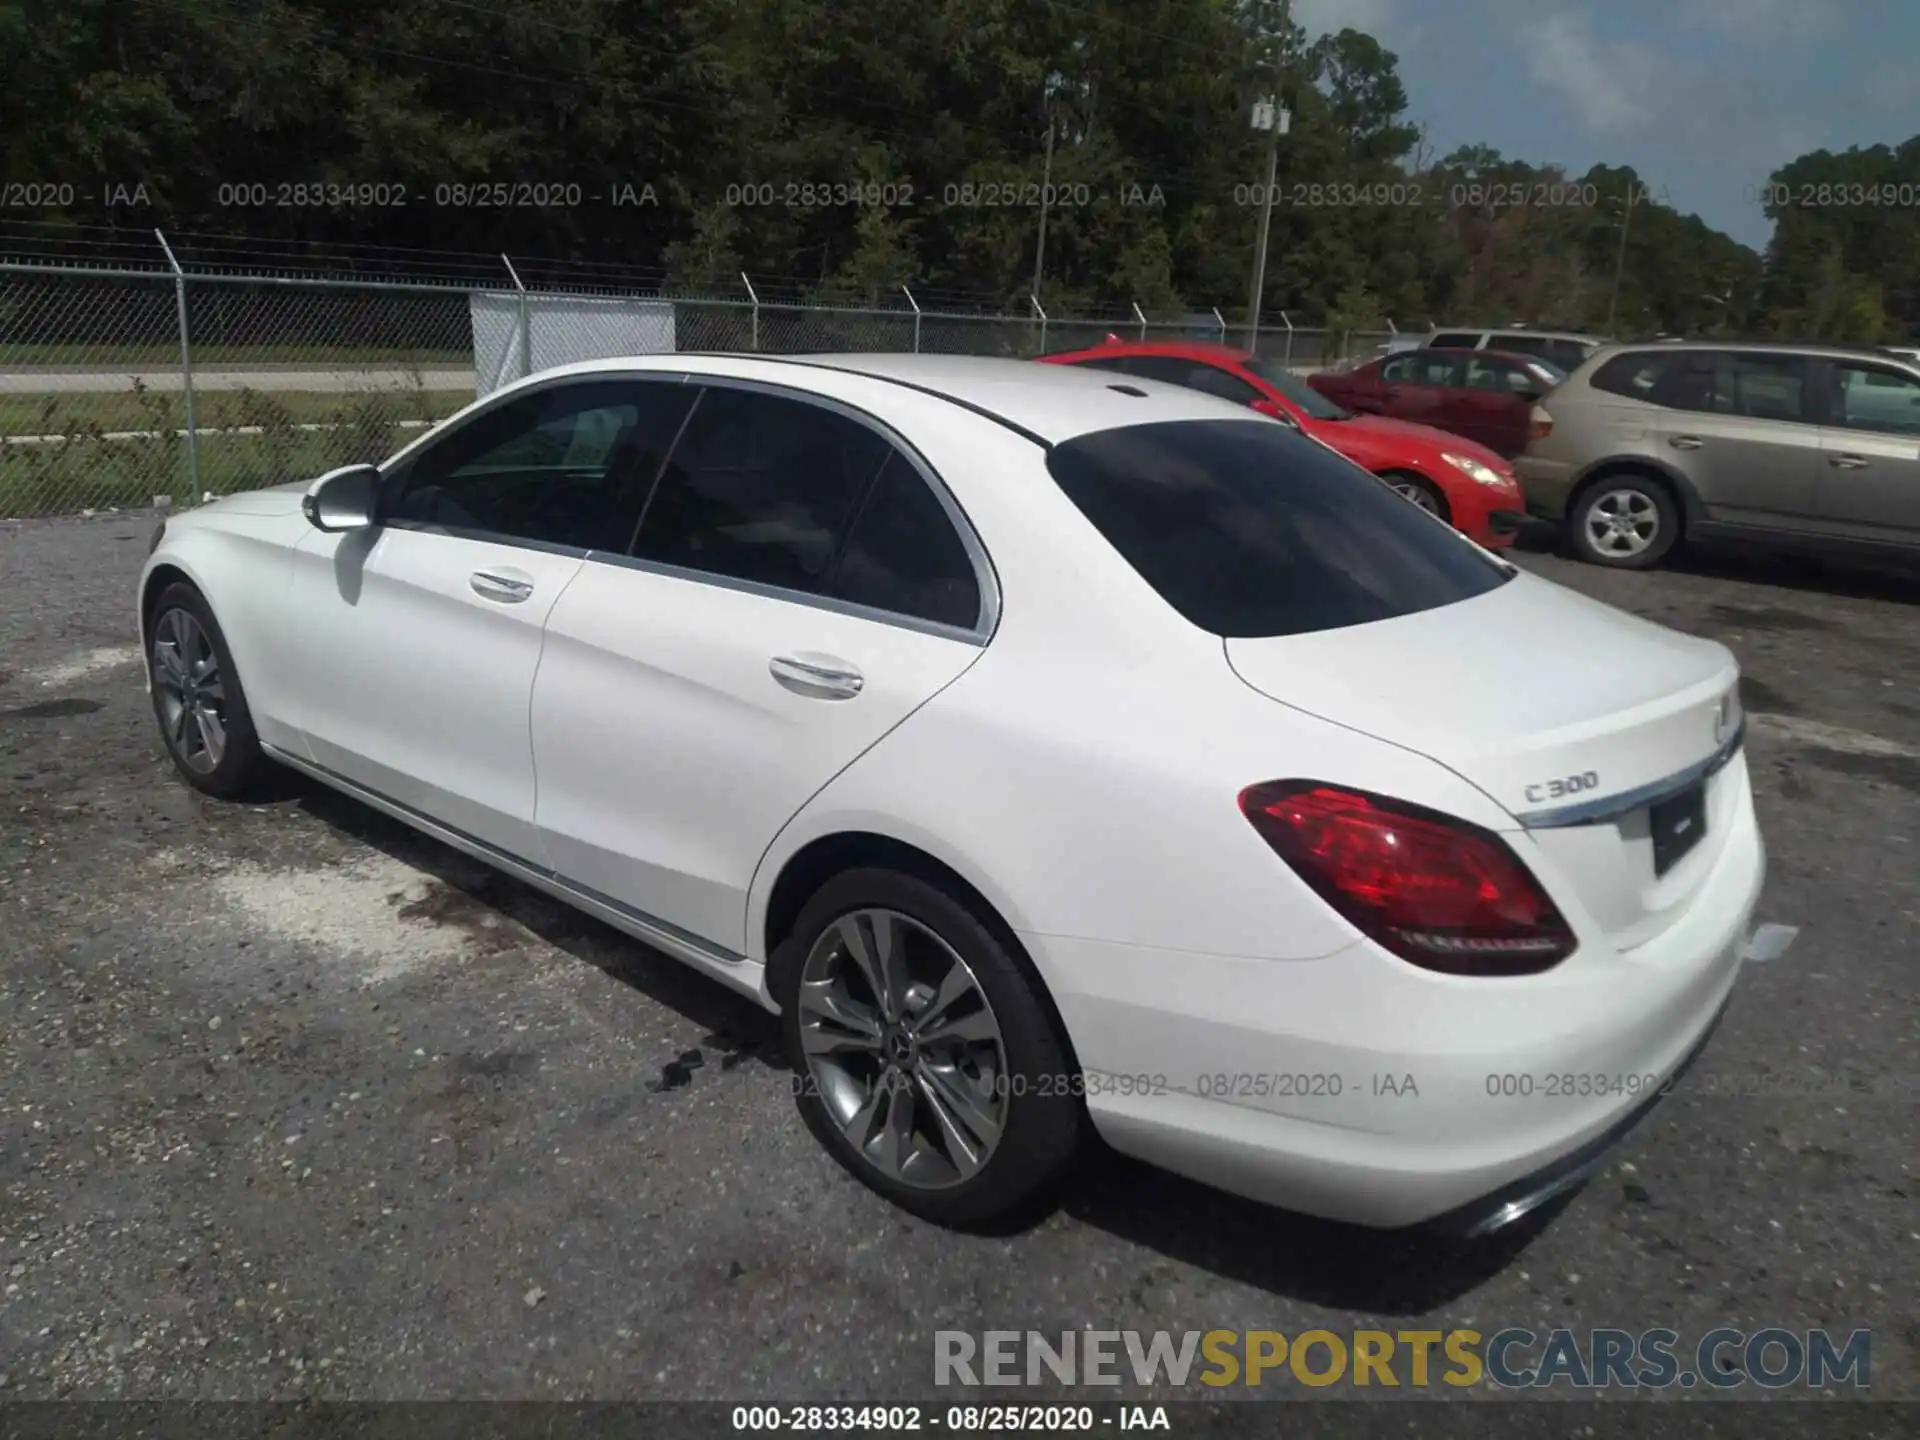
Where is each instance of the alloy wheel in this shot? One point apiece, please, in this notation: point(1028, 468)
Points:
point(191, 691)
point(903, 1048)
point(1622, 522)
point(1418, 494)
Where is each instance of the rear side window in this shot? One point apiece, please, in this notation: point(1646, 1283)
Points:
point(1249, 530)
point(1520, 344)
point(1637, 375)
point(760, 488)
point(1566, 354)
point(1760, 387)
point(1215, 381)
point(905, 556)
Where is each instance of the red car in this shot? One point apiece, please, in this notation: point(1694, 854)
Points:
point(1485, 395)
point(1462, 482)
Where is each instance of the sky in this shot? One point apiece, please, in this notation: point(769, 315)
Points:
point(1703, 98)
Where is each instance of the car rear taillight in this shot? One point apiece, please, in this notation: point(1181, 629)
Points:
point(1439, 892)
point(1539, 424)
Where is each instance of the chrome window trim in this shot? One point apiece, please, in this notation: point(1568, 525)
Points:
point(1611, 807)
point(830, 603)
point(506, 394)
point(487, 537)
point(986, 578)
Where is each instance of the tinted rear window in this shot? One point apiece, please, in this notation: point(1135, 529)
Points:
point(1250, 530)
point(1638, 374)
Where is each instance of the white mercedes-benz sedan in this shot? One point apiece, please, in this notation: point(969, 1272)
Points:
point(1047, 748)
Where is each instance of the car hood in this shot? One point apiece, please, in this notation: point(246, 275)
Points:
point(272, 500)
point(1378, 435)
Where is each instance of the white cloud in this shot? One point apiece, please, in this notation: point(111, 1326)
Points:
point(1613, 87)
point(1755, 22)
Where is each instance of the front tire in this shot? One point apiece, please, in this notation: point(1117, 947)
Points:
point(197, 700)
point(924, 1059)
point(1419, 491)
point(1625, 522)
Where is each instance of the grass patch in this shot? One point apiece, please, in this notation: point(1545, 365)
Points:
point(167, 356)
point(75, 412)
point(88, 471)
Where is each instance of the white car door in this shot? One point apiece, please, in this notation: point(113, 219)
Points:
point(798, 587)
point(417, 640)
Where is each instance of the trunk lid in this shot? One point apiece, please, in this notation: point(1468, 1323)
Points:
point(1569, 714)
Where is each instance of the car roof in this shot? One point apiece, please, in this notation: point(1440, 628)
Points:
point(1574, 335)
point(1765, 347)
point(1211, 350)
point(1047, 403)
point(1454, 352)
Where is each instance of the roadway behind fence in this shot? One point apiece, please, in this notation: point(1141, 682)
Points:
point(120, 386)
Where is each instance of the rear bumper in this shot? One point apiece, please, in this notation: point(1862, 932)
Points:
point(1522, 1197)
point(1363, 1089)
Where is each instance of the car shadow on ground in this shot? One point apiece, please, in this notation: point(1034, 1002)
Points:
point(1891, 581)
point(1320, 1262)
point(467, 891)
point(1317, 1261)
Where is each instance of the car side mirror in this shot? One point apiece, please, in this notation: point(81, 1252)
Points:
point(1273, 409)
point(342, 499)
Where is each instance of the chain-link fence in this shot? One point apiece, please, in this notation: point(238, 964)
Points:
point(119, 387)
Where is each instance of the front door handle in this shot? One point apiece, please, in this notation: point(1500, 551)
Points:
point(507, 589)
point(818, 676)
point(1686, 442)
point(1847, 462)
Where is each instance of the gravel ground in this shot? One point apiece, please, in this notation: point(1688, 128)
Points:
point(295, 1104)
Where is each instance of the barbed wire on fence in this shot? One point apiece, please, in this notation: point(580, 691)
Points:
point(228, 367)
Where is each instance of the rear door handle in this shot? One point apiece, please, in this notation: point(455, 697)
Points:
point(821, 676)
point(1847, 462)
point(1686, 442)
point(507, 589)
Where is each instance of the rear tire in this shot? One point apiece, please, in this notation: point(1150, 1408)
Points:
point(1625, 522)
point(197, 699)
point(924, 1058)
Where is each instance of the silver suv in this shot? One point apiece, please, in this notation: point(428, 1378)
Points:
point(1787, 445)
point(1558, 347)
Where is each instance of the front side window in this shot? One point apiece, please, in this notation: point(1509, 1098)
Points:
point(553, 467)
point(905, 556)
point(1483, 374)
point(1248, 529)
point(760, 488)
point(1455, 340)
point(1868, 397)
point(1428, 367)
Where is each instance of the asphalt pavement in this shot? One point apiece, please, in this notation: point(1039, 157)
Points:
point(296, 1104)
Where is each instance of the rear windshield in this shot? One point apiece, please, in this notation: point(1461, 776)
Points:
point(1251, 530)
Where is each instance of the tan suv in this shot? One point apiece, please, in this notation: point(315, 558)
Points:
point(1788, 445)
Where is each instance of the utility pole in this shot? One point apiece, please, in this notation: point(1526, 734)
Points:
point(1620, 259)
point(1046, 193)
point(1269, 116)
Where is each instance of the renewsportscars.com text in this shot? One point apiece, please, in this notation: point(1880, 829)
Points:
point(1512, 1358)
